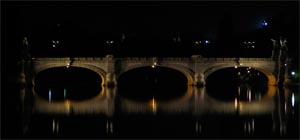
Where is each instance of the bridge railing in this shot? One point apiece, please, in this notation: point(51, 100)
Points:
point(234, 59)
point(68, 59)
point(186, 59)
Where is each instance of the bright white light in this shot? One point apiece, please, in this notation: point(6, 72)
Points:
point(53, 46)
point(153, 66)
point(154, 63)
point(293, 73)
point(111, 41)
point(248, 71)
point(265, 23)
point(235, 67)
point(206, 41)
point(293, 100)
point(253, 46)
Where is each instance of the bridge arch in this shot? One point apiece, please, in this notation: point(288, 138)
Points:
point(44, 67)
point(185, 71)
point(271, 78)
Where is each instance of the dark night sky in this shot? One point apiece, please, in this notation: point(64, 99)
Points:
point(86, 25)
point(201, 17)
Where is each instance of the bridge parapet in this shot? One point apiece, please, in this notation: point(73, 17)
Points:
point(68, 58)
point(195, 67)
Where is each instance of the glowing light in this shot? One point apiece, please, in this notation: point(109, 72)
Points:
point(248, 71)
point(53, 46)
point(153, 66)
point(206, 42)
point(68, 65)
point(67, 104)
point(293, 73)
point(235, 103)
point(249, 95)
point(50, 95)
point(235, 67)
point(265, 23)
point(253, 46)
point(53, 125)
point(154, 63)
point(293, 100)
point(285, 64)
point(153, 105)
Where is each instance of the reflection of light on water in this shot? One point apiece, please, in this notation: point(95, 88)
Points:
point(293, 99)
point(235, 103)
point(198, 127)
point(109, 127)
point(50, 95)
point(65, 93)
point(249, 126)
point(55, 126)
point(153, 105)
point(249, 95)
point(67, 104)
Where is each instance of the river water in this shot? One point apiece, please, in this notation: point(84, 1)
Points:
point(273, 113)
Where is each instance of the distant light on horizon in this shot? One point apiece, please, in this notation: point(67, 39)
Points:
point(265, 24)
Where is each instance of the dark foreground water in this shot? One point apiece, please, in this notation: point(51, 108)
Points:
point(79, 107)
point(195, 114)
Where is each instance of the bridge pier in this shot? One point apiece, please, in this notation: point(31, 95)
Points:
point(110, 80)
point(199, 79)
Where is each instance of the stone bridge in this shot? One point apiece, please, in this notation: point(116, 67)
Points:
point(195, 68)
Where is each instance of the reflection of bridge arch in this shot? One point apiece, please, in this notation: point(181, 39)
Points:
point(269, 75)
point(202, 103)
point(176, 105)
point(102, 103)
point(186, 72)
point(43, 67)
point(265, 105)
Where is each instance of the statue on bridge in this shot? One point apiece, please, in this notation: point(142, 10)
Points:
point(279, 48)
point(25, 49)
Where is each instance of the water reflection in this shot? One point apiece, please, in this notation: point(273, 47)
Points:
point(107, 115)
